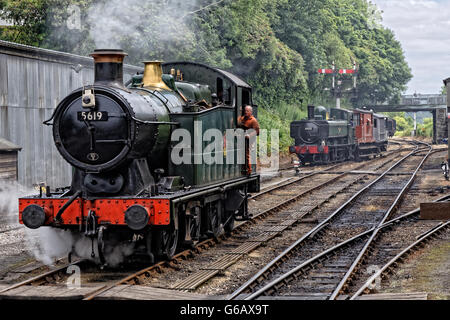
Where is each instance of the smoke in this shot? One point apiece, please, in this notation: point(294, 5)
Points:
point(115, 253)
point(158, 29)
point(140, 24)
point(46, 244)
point(10, 192)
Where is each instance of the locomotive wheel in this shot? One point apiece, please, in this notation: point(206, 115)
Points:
point(352, 153)
point(166, 240)
point(190, 226)
point(148, 246)
point(194, 228)
point(215, 223)
point(357, 156)
point(229, 222)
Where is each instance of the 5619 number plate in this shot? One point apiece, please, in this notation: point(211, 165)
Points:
point(92, 115)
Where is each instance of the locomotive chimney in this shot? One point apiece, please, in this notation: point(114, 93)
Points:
point(310, 112)
point(108, 64)
point(153, 75)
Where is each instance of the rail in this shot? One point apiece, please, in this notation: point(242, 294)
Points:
point(273, 264)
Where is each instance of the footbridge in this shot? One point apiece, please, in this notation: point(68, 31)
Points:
point(434, 103)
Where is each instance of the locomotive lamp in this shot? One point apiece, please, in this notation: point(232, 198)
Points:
point(88, 100)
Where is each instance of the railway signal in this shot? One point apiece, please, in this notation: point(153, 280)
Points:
point(326, 71)
point(347, 71)
point(336, 86)
point(340, 71)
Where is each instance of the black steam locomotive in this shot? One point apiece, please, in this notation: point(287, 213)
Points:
point(340, 135)
point(121, 141)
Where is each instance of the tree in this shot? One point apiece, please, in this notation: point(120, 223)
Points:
point(275, 45)
point(324, 31)
point(29, 19)
point(67, 28)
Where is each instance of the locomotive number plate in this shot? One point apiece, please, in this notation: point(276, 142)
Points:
point(92, 115)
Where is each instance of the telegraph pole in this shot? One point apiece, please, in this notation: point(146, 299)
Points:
point(336, 84)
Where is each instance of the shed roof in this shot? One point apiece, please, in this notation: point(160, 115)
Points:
point(6, 145)
point(30, 52)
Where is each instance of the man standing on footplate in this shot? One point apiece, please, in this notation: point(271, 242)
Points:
point(248, 122)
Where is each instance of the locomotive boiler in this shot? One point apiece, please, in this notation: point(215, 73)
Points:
point(119, 140)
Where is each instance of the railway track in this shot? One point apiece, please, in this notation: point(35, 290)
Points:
point(145, 273)
point(388, 267)
point(59, 275)
point(320, 176)
point(308, 174)
point(344, 221)
point(256, 236)
point(311, 278)
point(10, 229)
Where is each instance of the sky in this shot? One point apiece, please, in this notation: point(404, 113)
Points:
point(423, 29)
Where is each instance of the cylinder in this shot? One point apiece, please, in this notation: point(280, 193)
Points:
point(108, 66)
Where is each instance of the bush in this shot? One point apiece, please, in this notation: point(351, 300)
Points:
point(280, 119)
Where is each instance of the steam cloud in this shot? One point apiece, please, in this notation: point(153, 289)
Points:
point(10, 192)
point(116, 22)
point(47, 244)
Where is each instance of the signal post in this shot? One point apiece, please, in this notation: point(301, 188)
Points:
point(336, 84)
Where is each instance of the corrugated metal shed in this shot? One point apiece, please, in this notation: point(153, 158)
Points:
point(7, 146)
point(32, 82)
point(8, 160)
